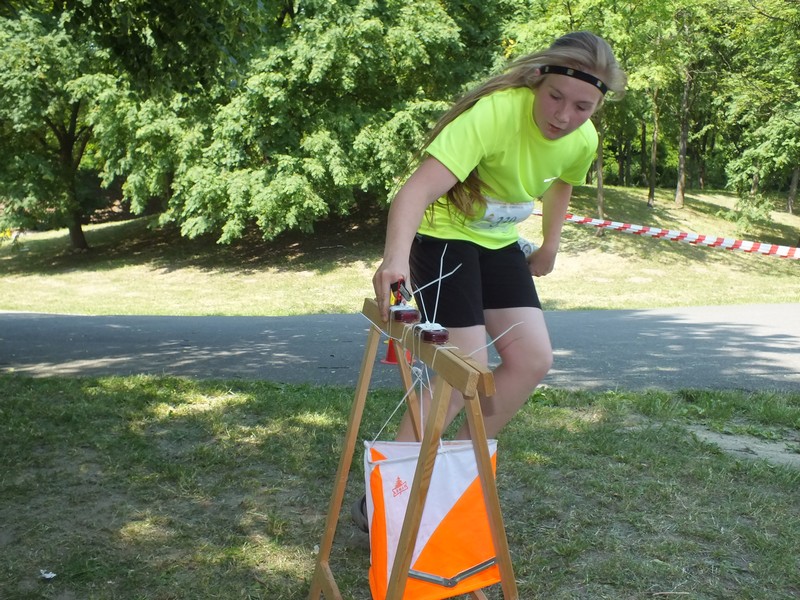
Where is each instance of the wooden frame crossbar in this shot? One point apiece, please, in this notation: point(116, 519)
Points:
point(456, 371)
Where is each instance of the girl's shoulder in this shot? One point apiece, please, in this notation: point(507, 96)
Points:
point(510, 96)
point(507, 107)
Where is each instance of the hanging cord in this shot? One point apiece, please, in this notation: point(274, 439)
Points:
point(379, 328)
point(418, 378)
point(430, 283)
point(416, 346)
point(422, 388)
point(439, 286)
point(492, 342)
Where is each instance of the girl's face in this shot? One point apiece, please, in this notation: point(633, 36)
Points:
point(563, 104)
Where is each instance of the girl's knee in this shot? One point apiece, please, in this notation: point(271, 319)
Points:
point(539, 366)
point(530, 366)
point(546, 361)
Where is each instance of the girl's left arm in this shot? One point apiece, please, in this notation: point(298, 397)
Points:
point(555, 203)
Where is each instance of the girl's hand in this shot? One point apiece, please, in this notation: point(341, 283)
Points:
point(542, 261)
point(382, 281)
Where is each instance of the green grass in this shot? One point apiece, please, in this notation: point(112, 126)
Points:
point(165, 488)
point(135, 268)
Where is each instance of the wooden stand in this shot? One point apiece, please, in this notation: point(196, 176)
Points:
point(455, 371)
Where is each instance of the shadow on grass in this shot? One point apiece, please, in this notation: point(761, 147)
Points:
point(141, 242)
point(337, 241)
point(170, 488)
point(166, 488)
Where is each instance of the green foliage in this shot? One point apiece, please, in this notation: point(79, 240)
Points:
point(169, 45)
point(48, 84)
point(234, 115)
point(764, 105)
point(335, 106)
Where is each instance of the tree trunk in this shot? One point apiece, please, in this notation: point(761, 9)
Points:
point(793, 190)
point(651, 194)
point(623, 161)
point(76, 235)
point(74, 213)
point(72, 144)
point(643, 170)
point(755, 183)
point(701, 154)
point(683, 144)
point(628, 159)
point(701, 176)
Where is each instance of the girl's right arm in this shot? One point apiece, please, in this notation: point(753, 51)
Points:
point(430, 181)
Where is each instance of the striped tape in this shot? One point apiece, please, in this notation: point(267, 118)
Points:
point(686, 238)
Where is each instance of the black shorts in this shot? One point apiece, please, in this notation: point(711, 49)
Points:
point(486, 279)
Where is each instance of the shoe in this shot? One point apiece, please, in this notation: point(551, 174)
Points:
point(358, 511)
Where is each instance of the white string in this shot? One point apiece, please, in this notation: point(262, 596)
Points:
point(379, 328)
point(420, 393)
point(439, 287)
point(394, 412)
point(430, 283)
point(415, 370)
point(445, 276)
point(422, 387)
point(492, 342)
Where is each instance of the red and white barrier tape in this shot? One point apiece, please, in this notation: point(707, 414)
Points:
point(687, 238)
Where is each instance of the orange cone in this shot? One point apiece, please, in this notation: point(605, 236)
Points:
point(391, 355)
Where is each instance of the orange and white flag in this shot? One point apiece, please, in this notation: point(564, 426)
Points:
point(454, 553)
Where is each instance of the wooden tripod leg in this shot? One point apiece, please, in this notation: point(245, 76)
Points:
point(477, 432)
point(323, 577)
point(419, 489)
point(412, 400)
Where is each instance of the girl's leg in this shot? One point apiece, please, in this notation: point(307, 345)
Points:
point(526, 356)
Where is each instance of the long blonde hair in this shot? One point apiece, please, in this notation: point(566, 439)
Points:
point(581, 50)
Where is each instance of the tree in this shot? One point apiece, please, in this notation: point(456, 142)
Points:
point(764, 107)
point(328, 115)
point(72, 66)
point(165, 45)
point(47, 86)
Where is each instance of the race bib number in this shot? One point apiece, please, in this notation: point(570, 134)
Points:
point(503, 214)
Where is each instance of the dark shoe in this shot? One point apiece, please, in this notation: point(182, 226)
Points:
point(358, 511)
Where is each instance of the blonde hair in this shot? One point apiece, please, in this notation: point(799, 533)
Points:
point(581, 50)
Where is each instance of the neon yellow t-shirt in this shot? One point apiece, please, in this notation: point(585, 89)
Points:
point(516, 163)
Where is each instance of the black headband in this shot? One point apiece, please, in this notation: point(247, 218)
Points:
point(558, 70)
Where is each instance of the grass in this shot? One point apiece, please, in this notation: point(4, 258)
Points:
point(164, 488)
point(135, 268)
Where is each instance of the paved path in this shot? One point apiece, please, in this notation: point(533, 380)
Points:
point(724, 347)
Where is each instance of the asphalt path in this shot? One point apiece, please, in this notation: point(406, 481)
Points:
point(745, 347)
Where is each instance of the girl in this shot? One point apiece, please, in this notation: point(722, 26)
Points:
point(522, 135)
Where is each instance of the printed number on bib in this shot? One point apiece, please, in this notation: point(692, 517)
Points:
point(503, 214)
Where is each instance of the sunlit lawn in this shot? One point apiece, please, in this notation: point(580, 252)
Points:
point(133, 269)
